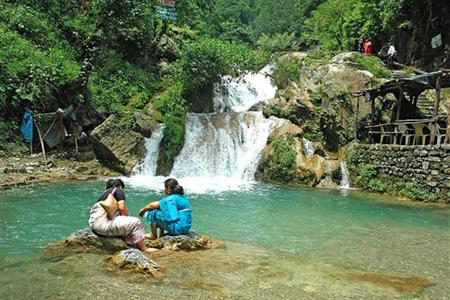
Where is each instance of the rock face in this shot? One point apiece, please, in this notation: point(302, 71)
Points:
point(86, 239)
point(323, 109)
point(118, 148)
point(135, 261)
point(190, 242)
point(293, 104)
point(286, 159)
point(144, 124)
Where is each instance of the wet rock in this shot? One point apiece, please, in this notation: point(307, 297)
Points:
point(144, 124)
point(292, 104)
point(190, 242)
point(284, 160)
point(88, 240)
point(136, 262)
point(117, 147)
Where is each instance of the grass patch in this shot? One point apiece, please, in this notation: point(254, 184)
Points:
point(373, 65)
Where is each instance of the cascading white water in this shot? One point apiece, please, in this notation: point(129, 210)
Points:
point(221, 150)
point(308, 147)
point(345, 181)
point(223, 145)
point(240, 94)
point(148, 166)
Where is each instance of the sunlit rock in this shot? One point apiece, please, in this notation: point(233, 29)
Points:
point(144, 124)
point(117, 147)
point(190, 242)
point(86, 239)
point(135, 261)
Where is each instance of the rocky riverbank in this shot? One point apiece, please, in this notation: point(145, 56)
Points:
point(23, 169)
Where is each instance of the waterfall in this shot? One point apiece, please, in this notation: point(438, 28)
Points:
point(345, 181)
point(223, 145)
point(148, 166)
point(238, 95)
point(222, 149)
point(308, 147)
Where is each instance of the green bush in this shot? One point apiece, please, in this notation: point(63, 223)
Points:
point(29, 73)
point(206, 61)
point(368, 177)
point(31, 25)
point(412, 191)
point(373, 65)
point(9, 133)
point(118, 83)
point(281, 164)
point(287, 69)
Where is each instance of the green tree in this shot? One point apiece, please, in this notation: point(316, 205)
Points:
point(326, 23)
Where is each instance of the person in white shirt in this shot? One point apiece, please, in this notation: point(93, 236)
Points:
point(392, 56)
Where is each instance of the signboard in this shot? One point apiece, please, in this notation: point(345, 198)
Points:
point(168, 3)
point(166, 13)
point(436, 41)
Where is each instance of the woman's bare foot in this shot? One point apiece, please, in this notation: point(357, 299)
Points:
point(150, 236)
point(150, 250)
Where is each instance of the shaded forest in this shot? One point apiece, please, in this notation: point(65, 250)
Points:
point(116, 57)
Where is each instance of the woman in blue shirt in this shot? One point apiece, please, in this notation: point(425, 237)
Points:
point(172, 214)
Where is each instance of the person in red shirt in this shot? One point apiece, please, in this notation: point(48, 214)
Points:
point(368, 47)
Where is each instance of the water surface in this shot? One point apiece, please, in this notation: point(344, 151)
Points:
point(291, 242)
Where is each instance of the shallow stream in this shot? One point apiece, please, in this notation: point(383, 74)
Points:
point(279, 242)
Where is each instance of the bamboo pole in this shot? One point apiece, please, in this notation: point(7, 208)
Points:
point(61, 129)
point(356, 118)
point(75, 139)
point(41, 141)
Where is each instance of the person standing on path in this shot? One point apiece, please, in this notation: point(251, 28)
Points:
point(368, 47)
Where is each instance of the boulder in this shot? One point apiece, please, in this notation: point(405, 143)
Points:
point(135, 261)
point(144, 124)
point(344, 57)
point(88, 240)
point(190, 242)
point(116, 146)
point(286, 160)
point(292, 104)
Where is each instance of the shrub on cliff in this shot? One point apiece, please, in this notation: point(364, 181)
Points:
point(281, 164)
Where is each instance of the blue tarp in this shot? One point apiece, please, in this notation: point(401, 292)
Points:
point(26, 129)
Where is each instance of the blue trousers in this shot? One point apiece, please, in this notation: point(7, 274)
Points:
point(180, 227)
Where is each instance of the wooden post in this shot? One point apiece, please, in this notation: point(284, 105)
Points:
point(41, 141)
point(438, 97)
point(399, 105)
point(75, 137)
point(436, 109)
point(61, 129)
point(356, 118)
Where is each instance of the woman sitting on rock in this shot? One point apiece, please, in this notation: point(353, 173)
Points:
point(122, 225)
point(172, 213)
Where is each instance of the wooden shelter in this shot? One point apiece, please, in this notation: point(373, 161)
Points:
point(407, 92)
point(51, 128)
